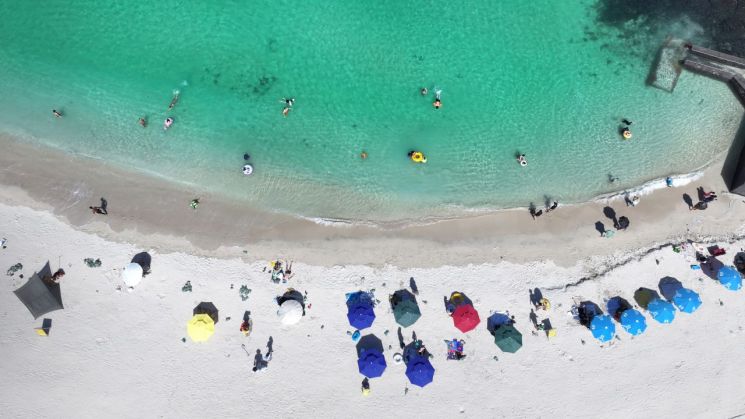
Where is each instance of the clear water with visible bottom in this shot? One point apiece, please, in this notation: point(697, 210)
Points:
point(542, 78)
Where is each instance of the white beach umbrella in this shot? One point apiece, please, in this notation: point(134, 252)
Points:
point(290, 312)
point(132, 274)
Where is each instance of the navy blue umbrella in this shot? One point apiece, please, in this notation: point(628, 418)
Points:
point(371, 363)
point(420, 371)
point(360, 310)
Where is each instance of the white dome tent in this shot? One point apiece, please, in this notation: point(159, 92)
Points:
point(290, 312)
point(132, 274)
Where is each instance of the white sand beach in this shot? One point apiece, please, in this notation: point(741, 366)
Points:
point(116, 353)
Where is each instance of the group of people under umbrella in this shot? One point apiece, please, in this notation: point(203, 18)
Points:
point(662, 308)
point(419, 370)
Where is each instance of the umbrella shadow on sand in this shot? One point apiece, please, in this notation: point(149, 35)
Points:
point(711, 267)
point(143, 259)
point(643, 296)
point(206, 307)
point(669, 286)
point(368, 342)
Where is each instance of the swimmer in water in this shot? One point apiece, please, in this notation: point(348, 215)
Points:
point(56, 113)
point(363, 155)
point(142, 122)
point(174, 100)
point(246, 156)
point(288, 105)
point(437, 103)
point(626, 121)
point(424, 91)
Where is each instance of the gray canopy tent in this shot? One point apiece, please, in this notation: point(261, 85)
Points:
point(38, 296)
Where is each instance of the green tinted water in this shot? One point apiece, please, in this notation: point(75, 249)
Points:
point(538, 77)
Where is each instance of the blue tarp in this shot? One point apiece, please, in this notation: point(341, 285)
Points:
point(730, 278)
point(687, 300)
point(360, 310)
point(371, 363)
point(603, 328)
point(633, 322)
point(420, 371)
point(661, 310)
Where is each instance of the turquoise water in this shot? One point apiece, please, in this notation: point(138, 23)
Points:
point(540, 77)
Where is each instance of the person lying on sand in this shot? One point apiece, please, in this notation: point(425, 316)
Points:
point(98, 210)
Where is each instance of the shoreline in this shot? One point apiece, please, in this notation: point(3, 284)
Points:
point(154, 213)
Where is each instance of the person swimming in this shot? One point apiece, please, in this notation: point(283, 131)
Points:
point(288, 105)
point(176, 94)
point(56, 113)
point(424, 91)
point(142, 122)
point(246, 156)
point(167, 123)
point(438, 101)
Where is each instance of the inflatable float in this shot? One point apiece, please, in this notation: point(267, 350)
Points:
point(248, 169)
point(522, 160)
point(417, 157)
point(167, 123)
point(626, 134)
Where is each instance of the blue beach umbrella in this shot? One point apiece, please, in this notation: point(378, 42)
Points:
point(687, 300)
point(730, 278)
point(633, 322)
point(603, 328)
point(371, 363)
point(360, 310)
point(420, 371)
point(661, 310)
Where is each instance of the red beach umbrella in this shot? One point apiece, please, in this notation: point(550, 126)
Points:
point(465, 318)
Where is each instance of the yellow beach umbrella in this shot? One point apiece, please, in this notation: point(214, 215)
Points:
point(200, 328)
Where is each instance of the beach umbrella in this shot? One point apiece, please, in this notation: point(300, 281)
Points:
point(603, 328)
point(290, 312)
point(496, 320)
point(420, 371)
point(200, 327)
point(40, 297)
point(132, 274)
point(508, 339)
point(406, 313)
point(633, 322)
point(465, 318)
point(687, 300)
point(730, 278)
point(360, 310)
point(661, 310)
point(371, 363)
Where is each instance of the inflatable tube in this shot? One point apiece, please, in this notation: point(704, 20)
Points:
point(626, 134)
point(248, 169)
point(523, 162)
point(418, 157)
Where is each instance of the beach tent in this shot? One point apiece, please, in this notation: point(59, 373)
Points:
point(643, 296)
point(586, 311)
point(603, 328)
point(420, 371)
point(661, 310)
point(38, 296)
point(132, 274)
point(633, 322)
point(200, 328)
point(360, 310)
point(687, 300)
point(206, 307)
point(508, 339)
point(465, 318)
point(496, 320)
point(290, 312)
point(730, 278)
point(370, 358)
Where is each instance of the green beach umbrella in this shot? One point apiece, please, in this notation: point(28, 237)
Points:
point(508, 338)
point(406, 313)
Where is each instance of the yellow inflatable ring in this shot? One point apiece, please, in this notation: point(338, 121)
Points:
point(418, 157)
point(627, 134)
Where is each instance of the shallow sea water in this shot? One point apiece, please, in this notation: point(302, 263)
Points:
point(542, 78)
